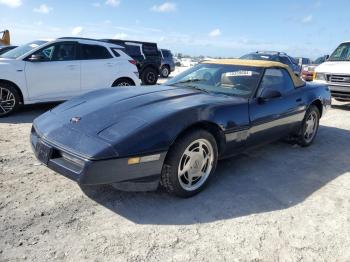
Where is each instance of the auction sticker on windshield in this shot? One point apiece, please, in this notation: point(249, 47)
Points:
point(240, 73)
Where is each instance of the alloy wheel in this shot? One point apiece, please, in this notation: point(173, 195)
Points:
point(195, 164)
point(7, 101)
point(311, 126)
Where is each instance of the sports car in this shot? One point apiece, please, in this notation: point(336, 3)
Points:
point(173, 135)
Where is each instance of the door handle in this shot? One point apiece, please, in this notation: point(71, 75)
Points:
point(72, 66)
point(298, 100)
point(110, 64)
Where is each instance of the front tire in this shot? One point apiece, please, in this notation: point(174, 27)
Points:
point(309, 127)
point(189, 164)
point(149, 76)
point(9, 99)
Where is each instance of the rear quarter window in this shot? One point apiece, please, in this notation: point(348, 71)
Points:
point(92, 52)
point(150, 49)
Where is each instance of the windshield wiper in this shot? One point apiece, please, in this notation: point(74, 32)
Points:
point(189, 81)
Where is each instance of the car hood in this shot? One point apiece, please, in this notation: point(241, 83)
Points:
point(334, 67)
point(91, 114)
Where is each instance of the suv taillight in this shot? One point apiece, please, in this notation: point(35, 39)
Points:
point(133, 62)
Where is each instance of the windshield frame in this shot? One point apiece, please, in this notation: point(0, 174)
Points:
point(333, 59)
point(176, 81)
point(27, 50)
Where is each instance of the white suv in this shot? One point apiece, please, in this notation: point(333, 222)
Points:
point(57, 70)
point(336, 72)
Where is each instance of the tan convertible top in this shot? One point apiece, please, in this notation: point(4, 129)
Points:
point(258, 63)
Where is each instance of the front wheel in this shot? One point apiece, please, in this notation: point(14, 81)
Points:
point(190, 163)
point(9, 99)
point(309, 126)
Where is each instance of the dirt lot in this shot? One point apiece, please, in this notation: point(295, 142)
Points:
point(278, 203)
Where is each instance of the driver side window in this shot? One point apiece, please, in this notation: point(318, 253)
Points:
point(276, 79)
point(58, 52)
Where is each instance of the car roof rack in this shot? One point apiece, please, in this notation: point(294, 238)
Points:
point(271, 52)
point(123, 40)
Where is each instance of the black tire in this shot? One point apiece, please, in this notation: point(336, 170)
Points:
point(123, 82)
point(169, 177)
point(9, 100)
point(149, 76)
point(165, 71)
point(304, 139)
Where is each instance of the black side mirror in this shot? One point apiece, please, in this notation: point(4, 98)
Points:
point(268, 94)
point(36, 58)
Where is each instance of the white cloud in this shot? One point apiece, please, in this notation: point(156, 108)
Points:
point(215, 33)
point(113, 2)
point(43, 9)
point(77, 30)
point(307, 19)
point(165, 7)
point(120, 36)
point(11, 3)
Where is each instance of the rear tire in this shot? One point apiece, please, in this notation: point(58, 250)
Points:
point(123, 82)
point(9, 99)
point(190, 163)
point(165, 71)
point(149, 76)
point(309, 127)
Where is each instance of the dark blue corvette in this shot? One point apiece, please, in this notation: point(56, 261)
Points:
point(139, 137)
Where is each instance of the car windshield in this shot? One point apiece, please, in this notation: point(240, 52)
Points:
point(234, 80)
point(21, 50)
point(257, 56)
point(342, 53)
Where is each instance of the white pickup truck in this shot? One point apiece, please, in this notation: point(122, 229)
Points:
point(335, 72)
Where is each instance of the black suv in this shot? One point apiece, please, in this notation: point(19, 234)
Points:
point(146, 55)
point(277, 57)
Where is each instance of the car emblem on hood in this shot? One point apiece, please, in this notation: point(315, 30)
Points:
point(75, 119)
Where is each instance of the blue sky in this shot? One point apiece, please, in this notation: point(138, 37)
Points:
point(215, 28)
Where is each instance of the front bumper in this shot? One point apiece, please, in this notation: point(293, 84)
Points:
point(95, 172)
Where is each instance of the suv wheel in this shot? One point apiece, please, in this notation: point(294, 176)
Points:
point(165, 72)
point(9, 99)
point(149, 76)
point(123, 82)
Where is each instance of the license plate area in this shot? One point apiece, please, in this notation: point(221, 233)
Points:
point(43, 152)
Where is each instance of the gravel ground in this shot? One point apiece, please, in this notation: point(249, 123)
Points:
point(277, 203)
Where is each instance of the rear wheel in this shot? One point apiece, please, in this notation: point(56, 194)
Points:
point(149, 76)
point(123, 82)
point(189, 164)
point(165, 71)
point(9, 99)
point(309, 126)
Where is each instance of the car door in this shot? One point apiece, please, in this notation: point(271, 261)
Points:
point(273, 118)
point(98, 67)
point(55, 74)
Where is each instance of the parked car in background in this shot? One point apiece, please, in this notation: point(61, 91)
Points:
point(336, 72)
point(302, 61)
point(148, 59)
point(177, 61)
point(173, 135)
point(308, 71)
point(277, 57)
point(4, 49)
point(168, 64)
point(187, 62)
point(57, 70)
